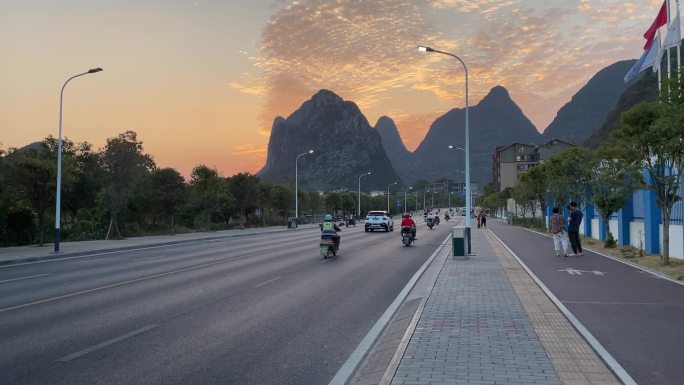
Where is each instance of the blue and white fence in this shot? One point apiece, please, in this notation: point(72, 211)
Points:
point(638, 223)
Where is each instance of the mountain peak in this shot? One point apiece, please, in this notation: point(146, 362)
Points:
point(498, 93)
point(325, 97)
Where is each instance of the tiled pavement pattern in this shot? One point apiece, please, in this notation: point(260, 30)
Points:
point(474, 330)
point(574, 360)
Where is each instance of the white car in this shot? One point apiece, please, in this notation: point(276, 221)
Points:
point(379, 220)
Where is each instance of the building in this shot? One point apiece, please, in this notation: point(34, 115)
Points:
point(511, 161)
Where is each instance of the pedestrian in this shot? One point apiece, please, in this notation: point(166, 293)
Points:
point(560, 237)
point(482, 218)
point(479, 220)
point(574, 222)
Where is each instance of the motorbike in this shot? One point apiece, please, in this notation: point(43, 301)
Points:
point(327, 246)
point(406, 236)
point(446, 217)
point(436, 219)
point(430, 222)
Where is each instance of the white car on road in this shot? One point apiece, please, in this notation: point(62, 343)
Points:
point(379, 220)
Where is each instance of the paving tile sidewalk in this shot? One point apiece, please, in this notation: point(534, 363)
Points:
point(19, 254)
point(486, 322)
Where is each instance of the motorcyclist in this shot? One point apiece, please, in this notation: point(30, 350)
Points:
point(408, 222)
point(330, 229)
point(430, 216)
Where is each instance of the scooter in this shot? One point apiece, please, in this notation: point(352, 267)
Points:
point(406, 236)
point(327, 246)
point(430, 222)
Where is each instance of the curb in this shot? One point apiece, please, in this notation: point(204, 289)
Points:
point(131, 247)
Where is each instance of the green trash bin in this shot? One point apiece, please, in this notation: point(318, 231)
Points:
point(459, 242)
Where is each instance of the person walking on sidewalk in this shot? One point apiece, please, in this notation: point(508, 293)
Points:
point(560, 237)
point(575, 220)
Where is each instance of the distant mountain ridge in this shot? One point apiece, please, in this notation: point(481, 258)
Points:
point(586, 112)
point(345, 146)
point(495, 120)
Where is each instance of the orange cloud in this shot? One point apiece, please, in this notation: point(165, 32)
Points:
point(365, 51)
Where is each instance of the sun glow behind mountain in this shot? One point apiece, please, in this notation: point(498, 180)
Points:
point(202, 81)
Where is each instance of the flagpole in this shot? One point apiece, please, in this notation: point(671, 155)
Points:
point(669, 21)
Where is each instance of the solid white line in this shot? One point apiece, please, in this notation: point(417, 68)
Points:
point(342, 375)
point(617, 369)
point(106, 343)
point(267, 282)
point(616, 259)
point(18, 279)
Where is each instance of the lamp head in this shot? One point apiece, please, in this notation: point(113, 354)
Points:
point(422, 48)
point(450, 146)
point(93, 70)
point(310, 151)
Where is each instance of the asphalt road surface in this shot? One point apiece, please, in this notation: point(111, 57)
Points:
point(263, 309)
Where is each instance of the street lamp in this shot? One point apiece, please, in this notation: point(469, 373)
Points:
point(433, 199)
point(296, 189)
point(467, 138)
point(360, 176)
point(388, 187)
point(405, 204)
point(58, 202)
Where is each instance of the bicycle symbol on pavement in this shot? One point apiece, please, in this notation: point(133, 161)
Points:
point(572, 271)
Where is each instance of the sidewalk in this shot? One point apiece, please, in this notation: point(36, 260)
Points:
point(19, 254)
point(485, 321)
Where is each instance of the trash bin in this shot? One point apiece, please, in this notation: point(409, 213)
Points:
point(292, 223)
point(459, 242)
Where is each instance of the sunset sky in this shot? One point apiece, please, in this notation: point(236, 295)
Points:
point(201, 81)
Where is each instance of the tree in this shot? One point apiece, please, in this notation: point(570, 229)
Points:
point(170, 190)
point(124, 164)
point(651, 137)
point(32, 174)
point(210, 198)
point(613, 180)
point(244, 187)
point(567, 176)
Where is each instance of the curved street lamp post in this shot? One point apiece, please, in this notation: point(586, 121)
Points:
point(360, 176)
point(296, 184)
point(467, 140)
point(405, 204)
point(388, 187)
point(58, 230)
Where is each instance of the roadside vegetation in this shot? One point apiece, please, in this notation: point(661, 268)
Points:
point(646, 152)
point(118, 191)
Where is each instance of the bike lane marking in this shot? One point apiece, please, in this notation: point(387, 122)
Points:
point(614, 366)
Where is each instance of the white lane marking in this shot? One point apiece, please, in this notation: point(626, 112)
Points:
point(624, 303)
point(612, 363)
point(342, 375)
point(19, 279)
point(145, 259)
point(267, 282)
point(106, 343)
point(69, 295)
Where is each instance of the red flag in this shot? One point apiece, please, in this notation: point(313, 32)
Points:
point(659, 21)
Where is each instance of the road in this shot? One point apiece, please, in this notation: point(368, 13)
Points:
point(636, 316)
point(262, 309)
